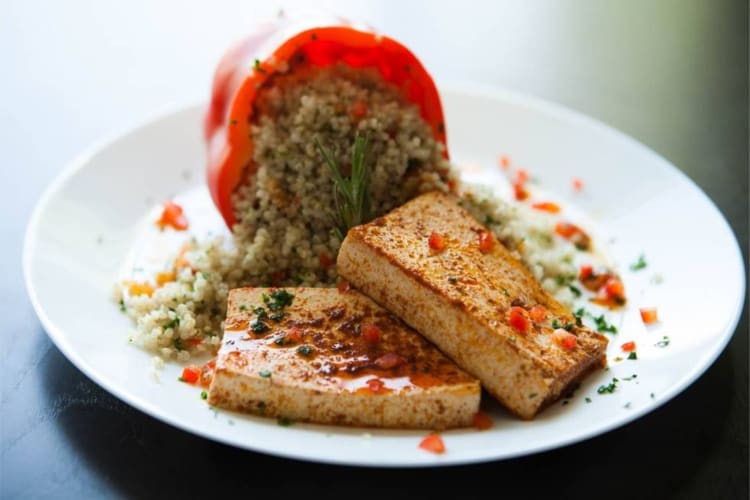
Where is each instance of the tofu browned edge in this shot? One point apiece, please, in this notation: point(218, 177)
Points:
point(299, 391)
point(459, 299)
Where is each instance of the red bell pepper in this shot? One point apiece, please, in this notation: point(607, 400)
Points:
point(276, 48)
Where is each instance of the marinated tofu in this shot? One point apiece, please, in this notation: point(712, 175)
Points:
point(434, 266)
point(335, 357)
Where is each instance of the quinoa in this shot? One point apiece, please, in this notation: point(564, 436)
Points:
point(285, 234)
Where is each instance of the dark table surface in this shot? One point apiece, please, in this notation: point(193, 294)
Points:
point(672, 74)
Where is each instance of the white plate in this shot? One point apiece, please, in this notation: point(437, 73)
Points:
point(89, 220)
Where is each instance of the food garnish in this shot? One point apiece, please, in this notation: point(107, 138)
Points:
point(172, 216)
point(433, 443)
point(649, 315)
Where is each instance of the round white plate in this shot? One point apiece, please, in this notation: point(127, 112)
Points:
point(92, 219)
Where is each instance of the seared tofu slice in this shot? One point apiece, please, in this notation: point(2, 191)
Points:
point(466, 296)
point(335, 357)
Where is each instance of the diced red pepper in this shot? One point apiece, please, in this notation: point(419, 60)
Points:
point(433, 443)
point(191, 374)
point(575, 234)
point(504, 162)
point(518, 318)
point(577, 184)
point(294, 334)
point(546, 206)
point(649, 315)
point(614, 288)
point(359, 110)
point(486, 241)
point(538, 313)
point(437, 241)
point(586, 272)
point(628, 346)
point(521, 176)
point(375, 384)
point(389, 361)
point(172, 216)
point(343, 286)
point(371, 333)
point(194, 341)
point(519, 192)
point(564, 339)
point(482, 422)
point(325, 261)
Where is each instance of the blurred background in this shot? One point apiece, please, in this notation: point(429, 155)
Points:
point(671, 73)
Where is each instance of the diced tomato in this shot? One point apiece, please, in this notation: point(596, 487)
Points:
point(194, 341)
point(371, 333)
point(628, 346)
point(343, 286)
point(614, 288)
point(140, 289)
point(575, 234)
point(649, 315)
point(433, 443)
point(521, 176)
point(518, 318)
point(538, 313)
point(504, 162)
point(577, 184)
point(294, 334)
point(164, 278)
point(564, 339)
point(191, 374)
point(482, 422)
point(359, 110)
point(172, 216)
point(325, 261)
point(389, 360)
point(546, 206)
point(586, 272)
point(519, 192)
point(375, 384)
point(437, 241)
point(486, 241)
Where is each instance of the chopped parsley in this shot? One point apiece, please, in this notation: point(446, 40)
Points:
point(177, 343)
point(639, 264)
point(664, 342)
point(566, 326)
point(260, 312)
point(174, 323)
point(243, 307)
point(603, 326)
point(277, 316)
point(489, 220)
point(588, 400)
point(576, 291)
point(257, 326)
point(452, 280)
point(257, 67)
point(278, 300)
point(633, 376)
point(265, 373)
point(609, 388)
point(284, 421)
point(633, 355)
point(122, 305)
point(305, 350)
point(204, 395)
point(532, 395)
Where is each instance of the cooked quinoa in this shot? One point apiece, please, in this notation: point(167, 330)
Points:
point(285, 234)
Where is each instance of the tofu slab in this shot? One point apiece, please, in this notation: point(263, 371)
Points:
point(459, 298)
point(322, 363)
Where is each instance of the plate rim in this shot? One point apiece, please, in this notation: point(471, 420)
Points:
point(486, 91)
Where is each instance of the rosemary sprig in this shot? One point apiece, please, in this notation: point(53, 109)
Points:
point(351, 195)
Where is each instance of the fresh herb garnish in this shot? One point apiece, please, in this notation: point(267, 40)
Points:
point(633, 355)
point(452, 279)
point(278, 299)
point(174, 323)
point(633, 376)
point(532, 395)
point(284, 421)
point(489, 220)
point(265, 373)
point(609, 388)
point(576, 291)
point(260, 312)
point(257, 67)
point(555, 324)
point(257, 326)
point(204, 395)
point(603, 326)
point(664, 342)
point(243, 307)
point(639, 264)
point(351, 195)
point(588, 400)
point(177, 343)
point(122, 305)
point(305, 350)
point(277, 316)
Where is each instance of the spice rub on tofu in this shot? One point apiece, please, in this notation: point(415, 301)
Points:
point(335, 357)
point(433, 265)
